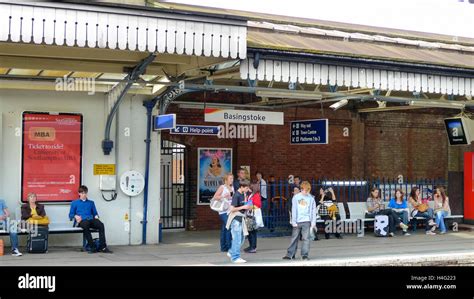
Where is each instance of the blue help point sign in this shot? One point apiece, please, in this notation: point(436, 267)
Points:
point(195, 130)
point(312, 131)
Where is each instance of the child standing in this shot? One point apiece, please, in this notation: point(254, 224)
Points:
point(303, 211)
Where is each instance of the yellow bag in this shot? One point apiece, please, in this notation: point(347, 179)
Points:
point(39, 220)
point(422, 207)
point(333, 210)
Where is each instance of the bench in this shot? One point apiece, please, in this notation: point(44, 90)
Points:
point(59, 221)
point(357, 210)
point(431, 205)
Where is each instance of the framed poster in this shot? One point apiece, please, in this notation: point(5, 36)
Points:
point(51, 163)
point(213, 164)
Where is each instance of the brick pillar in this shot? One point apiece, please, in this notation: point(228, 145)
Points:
point(357, 135)
point(455, 158)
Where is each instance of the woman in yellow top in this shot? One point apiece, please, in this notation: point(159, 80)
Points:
point(33, 211)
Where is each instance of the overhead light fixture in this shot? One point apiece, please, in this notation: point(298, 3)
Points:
point(202, 106)
point(438, 104)
point(288, 94)
point(339, 104)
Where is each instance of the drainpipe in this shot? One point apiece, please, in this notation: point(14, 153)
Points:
point(149, 108)
point(171, 93)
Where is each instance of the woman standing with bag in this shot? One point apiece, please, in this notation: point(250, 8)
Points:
point(224, 194)
point(256, 200)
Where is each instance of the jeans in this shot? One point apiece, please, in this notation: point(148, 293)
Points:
point(403, 215)
point(428, 215)
point(86, 225)
point(252, 239)
point(304, 229)
point(393, 218)
point(237, 239)
point(12, 232)
point(327, 218)
point(439, 218)
point(226, 236)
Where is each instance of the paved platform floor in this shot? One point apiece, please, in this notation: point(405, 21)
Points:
point(193, 248)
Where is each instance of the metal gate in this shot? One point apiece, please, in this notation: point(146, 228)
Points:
point(173, 187)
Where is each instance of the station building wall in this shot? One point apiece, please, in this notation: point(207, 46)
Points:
point(413, 144)
point(131, 156)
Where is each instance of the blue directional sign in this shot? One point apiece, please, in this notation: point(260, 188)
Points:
point(163, 122)
point(311, 131)
point(195, 130)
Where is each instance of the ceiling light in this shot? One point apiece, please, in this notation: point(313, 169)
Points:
point(288, 94)
point(438, 104)
point(202, 106)
point(339, 104)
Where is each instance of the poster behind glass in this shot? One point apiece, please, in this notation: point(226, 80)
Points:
point(213, 164)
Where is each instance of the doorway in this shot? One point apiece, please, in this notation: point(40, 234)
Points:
point(173, 185)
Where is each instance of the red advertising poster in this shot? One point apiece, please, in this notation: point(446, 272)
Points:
point(469, 187)
point(51, 156)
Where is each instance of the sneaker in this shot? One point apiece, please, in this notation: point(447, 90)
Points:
point(405, 233)
point(239, 261)
point(228, 254)
point(252, 251)
point(433, 228)
point(286, 257)
point(442, 233)
point(16, 252)
point(106, 250)
point(403, 226)
point(305, 258)
point(391, 235)
point(431, 223)
point(430, 232)
point(247, 249)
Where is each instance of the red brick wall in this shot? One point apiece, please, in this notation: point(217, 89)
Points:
point(413, 144)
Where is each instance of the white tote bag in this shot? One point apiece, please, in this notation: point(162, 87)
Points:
point(219, 205)
point(259, 217)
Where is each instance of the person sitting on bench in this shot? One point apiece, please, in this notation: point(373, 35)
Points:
point(12, 229)
point(34, 212)
point(84, 212)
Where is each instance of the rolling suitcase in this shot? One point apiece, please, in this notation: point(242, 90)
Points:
point(381, 226)
point(38, 243)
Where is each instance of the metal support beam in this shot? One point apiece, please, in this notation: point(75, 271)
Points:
point(108, 144)
point(164, 100)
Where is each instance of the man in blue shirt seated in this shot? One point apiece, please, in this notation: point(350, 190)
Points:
point(84, 212)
